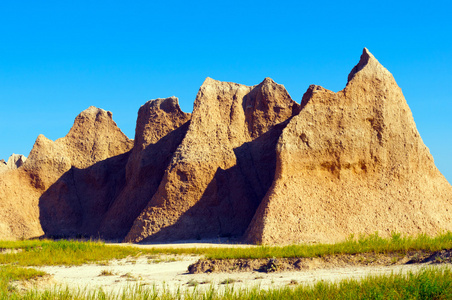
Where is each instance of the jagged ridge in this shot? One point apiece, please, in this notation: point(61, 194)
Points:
point(248, 161)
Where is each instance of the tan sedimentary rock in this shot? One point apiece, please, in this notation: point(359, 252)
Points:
point(93, 137)
point(80, 173)
point(14, 161)
point(352, 162)
point(248, 161)
point(161, 126)
point(3, 166)
point(222, 168)
point(19, 211)
point(43, 193)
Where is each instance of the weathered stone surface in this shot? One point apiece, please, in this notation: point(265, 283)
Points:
point(161, 126)
point(222, 168)
point(3, 166)
point(80, 173)
point(19, 212)
point(352, 162)
point(14, 161)
point(249, 162)
point(47, 192)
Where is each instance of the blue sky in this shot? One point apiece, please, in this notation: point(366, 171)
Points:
point(59, 57)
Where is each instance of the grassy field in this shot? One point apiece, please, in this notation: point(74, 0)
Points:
point(426, 284)
point(63, 252)
point(19, 254)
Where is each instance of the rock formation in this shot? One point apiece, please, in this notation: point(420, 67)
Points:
point(248, 162)
point(43, 193)
point(79, 173)
point(352, 162)
point(223, 167)
point(3, 166)
point(14, 161)
point(161, 126)
point(19, 211)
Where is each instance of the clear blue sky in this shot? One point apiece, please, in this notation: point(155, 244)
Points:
point(59, 57)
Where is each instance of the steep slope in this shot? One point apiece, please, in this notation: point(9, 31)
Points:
point(3, 166)
point(19, 212)
point(161, 126)
point(222, 168)
point(43, 192)
point(352, 162)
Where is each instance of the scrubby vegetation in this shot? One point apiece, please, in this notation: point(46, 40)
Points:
point(427, 284)
point(63, 252)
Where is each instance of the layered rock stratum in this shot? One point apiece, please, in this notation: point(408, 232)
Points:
point(248, 163)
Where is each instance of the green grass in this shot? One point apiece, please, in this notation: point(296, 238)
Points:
point(63, 252)
point(363, 244)
point(425, 284)
point(12, 273)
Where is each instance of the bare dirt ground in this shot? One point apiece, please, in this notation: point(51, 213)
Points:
point(171, 272)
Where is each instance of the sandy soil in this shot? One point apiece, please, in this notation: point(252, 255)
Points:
point(170, 272)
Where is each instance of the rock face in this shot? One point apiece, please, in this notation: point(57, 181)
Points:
point(248, 162)
point(352, 162)
point(161, 126)
point(223, 167)
point(79, 173)
point(48, 193)
point(19, 211)
point(3, 166)
point(14, 161)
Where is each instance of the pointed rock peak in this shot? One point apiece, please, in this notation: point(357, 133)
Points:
point(268, 80)
point(16, 160)
point(209, 81)
point(95, 112)
point(366, 59)
point(42, 139)
point(309, 93)
point(168, 105)
point(156, 118)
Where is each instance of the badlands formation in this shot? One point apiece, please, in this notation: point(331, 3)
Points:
point(248, 163)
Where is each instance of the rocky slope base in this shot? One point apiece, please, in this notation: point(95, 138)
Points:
point(249, 163)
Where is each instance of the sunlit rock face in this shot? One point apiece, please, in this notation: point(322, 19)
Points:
point(352, 162)
point(249, 163)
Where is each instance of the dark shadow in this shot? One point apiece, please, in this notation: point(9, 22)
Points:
point(231, 199)
point(74, 205)
point(145, 173)
point(99, 201)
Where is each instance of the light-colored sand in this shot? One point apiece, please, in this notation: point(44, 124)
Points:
point(205, 243)
point(173, 275)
